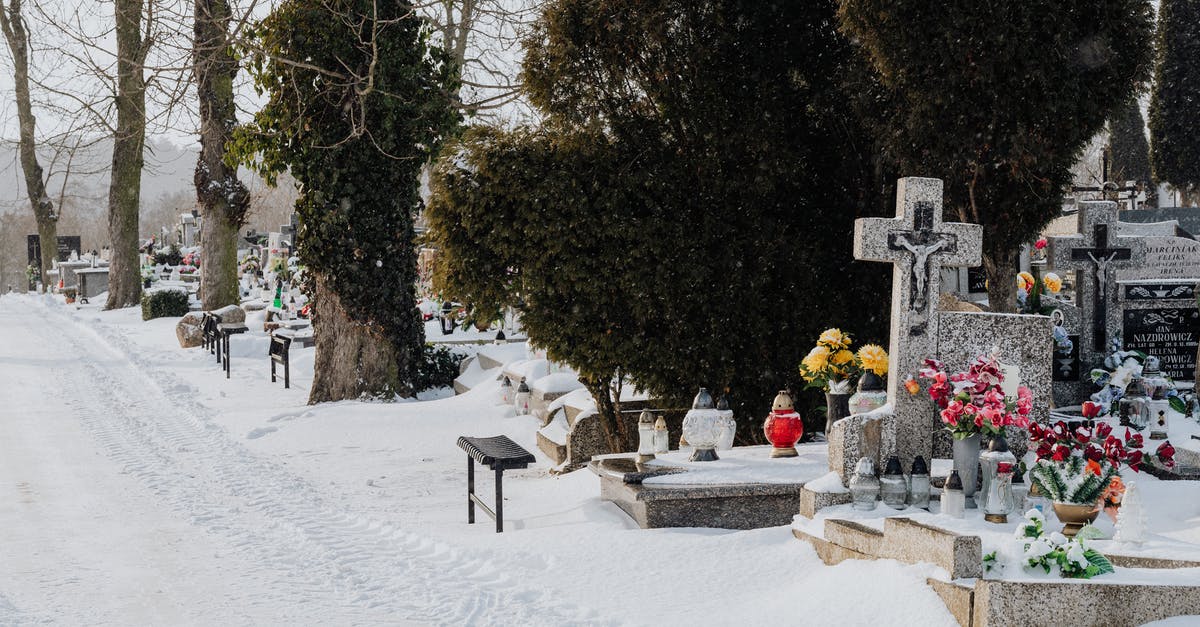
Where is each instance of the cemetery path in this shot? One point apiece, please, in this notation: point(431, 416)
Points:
point(126, 503)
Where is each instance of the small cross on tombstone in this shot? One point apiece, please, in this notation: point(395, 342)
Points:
point(919, 244)
point(1094, 254)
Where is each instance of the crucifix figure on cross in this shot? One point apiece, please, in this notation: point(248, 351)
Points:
point(1093, 256)
point(918, 245)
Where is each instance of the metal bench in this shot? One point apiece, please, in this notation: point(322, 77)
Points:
point(278, 352)
point(225, 330)
point(499, 454)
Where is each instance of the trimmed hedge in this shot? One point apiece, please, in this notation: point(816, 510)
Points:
point(164, 304)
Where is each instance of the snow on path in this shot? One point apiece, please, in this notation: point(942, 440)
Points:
point(128, 504)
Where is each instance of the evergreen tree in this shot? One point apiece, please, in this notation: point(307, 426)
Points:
point(357, 100)
point(1175, 98)
point(1127, 146)
point(998, 99)
point(684, 216)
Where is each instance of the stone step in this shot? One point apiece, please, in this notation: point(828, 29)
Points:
point(487, 362)
point(909, 541)
point(854, 536)
point(812, 501)
point(555, 451)
point(959, 598)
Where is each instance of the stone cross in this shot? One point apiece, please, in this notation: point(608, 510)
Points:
point(918, 244)
point(1094, 254)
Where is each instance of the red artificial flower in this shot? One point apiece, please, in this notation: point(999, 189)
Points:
point(1133, 460)
point(1035, 432)
point(1061, 453)
point(1093, 453)
point(1166, 454)
point(1083, 434)
point(1040, 244)
point(1133, 441)
point(1004, 467)
point(1090, 409)
point(1103, 430)
point(1044, 451)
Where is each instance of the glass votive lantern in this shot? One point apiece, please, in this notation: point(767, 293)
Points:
point(864, 486)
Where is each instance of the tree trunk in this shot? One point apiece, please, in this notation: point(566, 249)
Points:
point(352, 361)
point(17, 37)
point(125, 186)
point(223, 199)
point(608, 410)
point(1001, 268)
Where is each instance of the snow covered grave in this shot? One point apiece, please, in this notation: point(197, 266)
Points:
point(986, 568)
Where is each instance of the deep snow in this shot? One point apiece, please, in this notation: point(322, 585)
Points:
point(142, 487)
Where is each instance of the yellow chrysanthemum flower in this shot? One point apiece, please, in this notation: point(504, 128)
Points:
point(1052, 282)
point(834, 339)
point(816, 360)
point(873, 358)
point(842, 358)
point(1025, 281)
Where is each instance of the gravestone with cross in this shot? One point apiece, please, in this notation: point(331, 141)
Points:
point(1095, 254)
point(918, 244)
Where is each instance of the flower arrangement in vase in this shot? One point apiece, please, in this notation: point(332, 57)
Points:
point(1076, 468)
point(1038, 296)
point(973, 403)
point(832, 367)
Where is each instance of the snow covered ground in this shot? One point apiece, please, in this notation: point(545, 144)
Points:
point(142, 487)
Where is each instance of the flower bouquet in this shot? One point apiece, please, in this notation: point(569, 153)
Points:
point(1076, 468)
point(1055, 551)
point(1122, 367)
point(833, 367)
point(973, 402)
point(1038, 296)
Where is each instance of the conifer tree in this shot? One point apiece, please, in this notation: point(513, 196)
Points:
point(684, 216)
point(998, 99)
point(1175, 98)
point(1127, 146)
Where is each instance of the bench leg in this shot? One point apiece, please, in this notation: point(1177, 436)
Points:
point(499, 500)
point(470, 490)
point(227, 359)
point(287, 374)
point(272, 369)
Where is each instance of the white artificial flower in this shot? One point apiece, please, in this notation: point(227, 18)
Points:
point(1121, 377)
point(1034, 514)
point(1058, 539)
point(1075, 554)
point(1038, 548)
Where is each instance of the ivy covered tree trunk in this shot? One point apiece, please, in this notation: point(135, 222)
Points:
point(352, 360)
point(125, 186)
point(13, 25)
point(353, 123)
point(223, 199)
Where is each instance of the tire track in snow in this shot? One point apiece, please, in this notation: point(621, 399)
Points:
point(159, 433)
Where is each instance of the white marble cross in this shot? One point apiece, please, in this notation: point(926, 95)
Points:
point(919, 244)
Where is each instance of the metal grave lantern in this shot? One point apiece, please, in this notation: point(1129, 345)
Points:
point(783, 426)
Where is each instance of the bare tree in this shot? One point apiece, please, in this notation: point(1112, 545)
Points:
point(17, 36)
point(483, 40)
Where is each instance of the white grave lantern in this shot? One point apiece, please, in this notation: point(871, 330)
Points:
point(521, 400)
point(646, 439)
